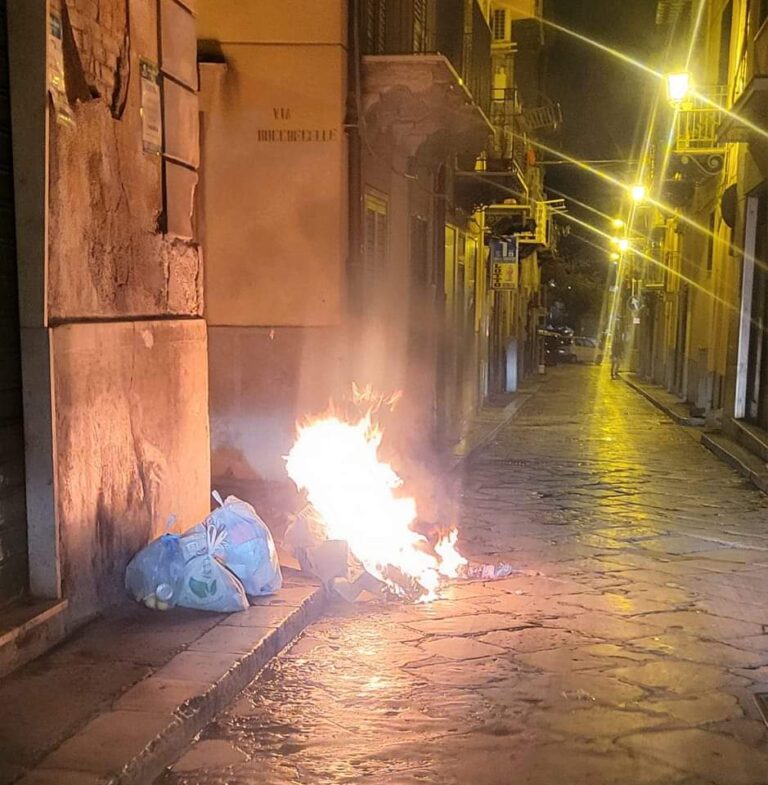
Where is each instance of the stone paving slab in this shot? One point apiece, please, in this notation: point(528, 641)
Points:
point(117, 702)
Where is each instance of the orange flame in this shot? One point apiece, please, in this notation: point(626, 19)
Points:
point(336, 461)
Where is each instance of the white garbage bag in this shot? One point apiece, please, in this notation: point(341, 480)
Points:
point(247, 547)
point(208, 584)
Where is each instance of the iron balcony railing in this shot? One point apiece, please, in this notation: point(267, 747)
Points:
point(697, 122)
point(505, 106)
point(456, 29)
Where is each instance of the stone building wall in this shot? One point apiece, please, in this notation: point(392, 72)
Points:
point(124, 306)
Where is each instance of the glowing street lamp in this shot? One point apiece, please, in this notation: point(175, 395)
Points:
point(678, 87)
point(623, 244)
point(615, 257)
point(638, 193)
point(617, 223)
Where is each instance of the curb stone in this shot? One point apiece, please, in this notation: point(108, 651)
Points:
point(133, 746)
point(686, 421)
point(510, 411)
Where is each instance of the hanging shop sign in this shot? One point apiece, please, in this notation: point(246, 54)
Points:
point(505, 250)
point(151, 108)
point(504, 275)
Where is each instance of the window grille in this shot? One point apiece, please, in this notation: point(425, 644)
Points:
point(499, 24)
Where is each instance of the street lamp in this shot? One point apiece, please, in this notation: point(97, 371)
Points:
point(623, 244)
point(615, 257)
point(638, 192)
point(617, 223)
point(678, 87)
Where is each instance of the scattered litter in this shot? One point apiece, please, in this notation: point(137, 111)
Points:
point(216, 565)
point(578, 695)
point(487, 572)
point(351, 590)
point(330, 561)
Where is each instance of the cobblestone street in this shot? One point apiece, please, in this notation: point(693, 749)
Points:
point(627, 650)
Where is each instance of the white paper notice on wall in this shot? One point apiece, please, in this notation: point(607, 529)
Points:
point(57, 87)
point(151, 108)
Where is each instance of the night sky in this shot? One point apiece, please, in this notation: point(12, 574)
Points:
point(605, 102)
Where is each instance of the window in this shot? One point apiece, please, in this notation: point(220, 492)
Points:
point(499, 24)
point(420, 268)
point(724, 61)
point(375, 26)
point(711, 243)
point(419, 26)
point(375, 240)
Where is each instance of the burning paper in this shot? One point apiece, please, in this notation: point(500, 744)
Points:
point(355, 497)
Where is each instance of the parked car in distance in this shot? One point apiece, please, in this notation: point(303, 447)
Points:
point(587, 350)
point(558, 346)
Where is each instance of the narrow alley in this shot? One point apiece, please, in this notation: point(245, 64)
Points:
point(628, 648)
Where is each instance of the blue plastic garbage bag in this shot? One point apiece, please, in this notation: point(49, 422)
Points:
point(248, 548)
point(155, 574)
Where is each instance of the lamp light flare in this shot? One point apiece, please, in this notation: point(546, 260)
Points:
point(678, 87)
point(638, 192)
point(617, 223)
point(623, 244)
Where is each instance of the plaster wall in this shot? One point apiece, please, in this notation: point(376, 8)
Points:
point(274, 163)
point(262, 381)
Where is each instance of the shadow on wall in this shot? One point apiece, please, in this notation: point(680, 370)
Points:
point(262, 381)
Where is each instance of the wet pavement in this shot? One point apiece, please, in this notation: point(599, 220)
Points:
point(627, 651)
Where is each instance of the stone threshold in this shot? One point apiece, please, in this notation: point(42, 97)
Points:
point(662, 399)
point(28, 629)
point(139, 727)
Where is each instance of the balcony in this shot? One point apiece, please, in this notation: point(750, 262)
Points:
point(697, 122)
point(424, 73)
point(546, 117)
point(750, 93)
point(531, 224)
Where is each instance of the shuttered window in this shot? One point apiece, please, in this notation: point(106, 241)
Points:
point(375, 26)
point(499, 24)
point(375, 237)
point(420, 26)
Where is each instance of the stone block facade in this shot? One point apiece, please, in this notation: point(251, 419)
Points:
point(116, 351)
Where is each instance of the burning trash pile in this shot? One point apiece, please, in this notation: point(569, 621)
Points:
point(357, 531)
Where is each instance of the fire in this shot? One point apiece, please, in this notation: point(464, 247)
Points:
point(354, 493)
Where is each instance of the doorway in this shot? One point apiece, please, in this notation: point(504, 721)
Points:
point(14, 564)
